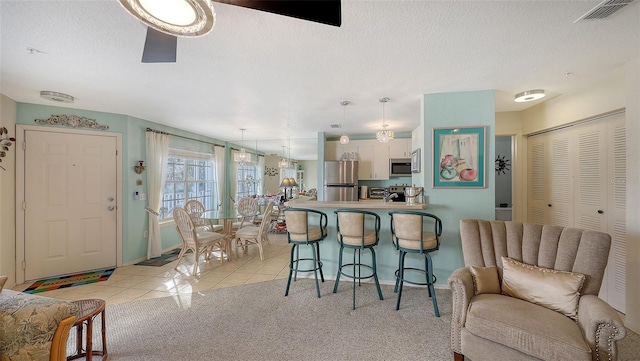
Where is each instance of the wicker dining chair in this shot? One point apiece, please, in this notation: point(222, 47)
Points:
point(257, 235)
point(195, 209)
point(200, 242)
point(248, 208)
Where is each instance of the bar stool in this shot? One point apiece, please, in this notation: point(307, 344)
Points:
point(408, 236)
point(87, 311)
point(305, 227)
point(354, 234)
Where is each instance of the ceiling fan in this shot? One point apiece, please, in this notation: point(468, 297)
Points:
point(169, 19)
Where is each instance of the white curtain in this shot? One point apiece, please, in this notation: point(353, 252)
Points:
point(260, 176)
point(234, 179)
point(218, 153)
point(157, 154)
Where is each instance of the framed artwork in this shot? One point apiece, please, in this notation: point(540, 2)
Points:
point(459, 157)
point(415, 161)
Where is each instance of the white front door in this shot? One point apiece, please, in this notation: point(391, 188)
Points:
point(70, 203)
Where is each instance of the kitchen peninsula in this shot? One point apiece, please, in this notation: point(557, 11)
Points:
point(386, 254)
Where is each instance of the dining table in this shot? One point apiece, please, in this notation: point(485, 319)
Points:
point(227, 218)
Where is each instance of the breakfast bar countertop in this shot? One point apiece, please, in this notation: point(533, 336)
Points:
point(361, 204)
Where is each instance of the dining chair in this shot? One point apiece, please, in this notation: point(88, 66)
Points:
point(257, 235)
point(200, 242)
point(195, 209)
point(247, 207)
point(409, 235)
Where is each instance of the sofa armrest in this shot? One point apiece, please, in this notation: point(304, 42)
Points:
point(461, 285)
point(601, 325)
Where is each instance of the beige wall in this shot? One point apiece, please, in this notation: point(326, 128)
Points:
point(310, 174)
point(8, 195)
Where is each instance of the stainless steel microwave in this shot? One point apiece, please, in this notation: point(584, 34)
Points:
point(400, 167)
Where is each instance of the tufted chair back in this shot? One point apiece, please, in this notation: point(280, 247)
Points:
point(484, 243)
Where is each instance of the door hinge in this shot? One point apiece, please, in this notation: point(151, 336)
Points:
point(24, 145)
point(24, 265)
point(24, 205)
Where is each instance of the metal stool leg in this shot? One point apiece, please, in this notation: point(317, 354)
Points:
point(400, 279)
point(316, 265)
point(375, 272)
point(319, 263)
point(335, 286)
point(293, 249)
point(432, 291)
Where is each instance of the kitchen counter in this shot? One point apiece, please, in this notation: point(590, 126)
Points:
point(361, 204)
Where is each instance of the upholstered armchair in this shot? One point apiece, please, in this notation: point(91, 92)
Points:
point(530, 292)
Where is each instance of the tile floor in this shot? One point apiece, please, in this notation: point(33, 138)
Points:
point(131, 283)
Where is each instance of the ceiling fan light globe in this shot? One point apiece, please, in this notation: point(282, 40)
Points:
point(344, 139)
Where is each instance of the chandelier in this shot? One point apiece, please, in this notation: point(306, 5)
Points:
point(385, 134)
point(242, 156)
point(283, 163)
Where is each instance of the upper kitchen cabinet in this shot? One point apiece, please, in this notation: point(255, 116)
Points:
point(400, 148)
point(374, 160)
point(333, 150)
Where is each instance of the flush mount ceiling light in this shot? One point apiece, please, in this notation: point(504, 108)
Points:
point(56, 97)
point(344, 139)
point(384, 135)
point(529, 95)
point(188, 18)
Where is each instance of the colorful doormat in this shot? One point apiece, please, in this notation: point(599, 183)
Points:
point(162, 260)
point(54, 283)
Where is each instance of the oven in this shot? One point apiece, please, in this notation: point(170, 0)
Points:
point(398, 190)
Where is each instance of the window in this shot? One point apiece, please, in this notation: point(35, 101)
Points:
point(248, 183)
point(189, 176)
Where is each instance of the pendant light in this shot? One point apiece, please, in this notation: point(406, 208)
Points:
point(385, 134)
point(283, 164)
point(344, 139)
point(242, 157)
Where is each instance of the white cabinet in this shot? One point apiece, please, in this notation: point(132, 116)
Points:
point(373, 160)
point(333, 150)
point(400, 148)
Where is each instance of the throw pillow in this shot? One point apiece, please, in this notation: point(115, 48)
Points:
point(485, 280)
point(553, 289)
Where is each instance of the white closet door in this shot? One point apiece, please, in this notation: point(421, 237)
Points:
point(614, 283)
point(537, 198)
point(560, 194)
point(591, 177)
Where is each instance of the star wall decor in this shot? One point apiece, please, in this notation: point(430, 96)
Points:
point(502, 165)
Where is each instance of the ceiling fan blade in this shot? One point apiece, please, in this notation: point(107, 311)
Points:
point(159, 47)
point(321, 11)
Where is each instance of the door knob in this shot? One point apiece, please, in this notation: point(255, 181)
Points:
point(549, 205)
point(111, 208)
point(600, 211)
point(110, 199)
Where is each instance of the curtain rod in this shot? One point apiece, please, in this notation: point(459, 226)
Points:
point(183, 137)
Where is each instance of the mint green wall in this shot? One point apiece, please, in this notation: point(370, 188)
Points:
point(133, 130)
point(450, 110)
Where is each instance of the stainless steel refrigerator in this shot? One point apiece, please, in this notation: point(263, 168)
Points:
point(341, 180)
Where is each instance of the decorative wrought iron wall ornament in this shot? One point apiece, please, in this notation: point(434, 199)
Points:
point(72, 121)
point(270, 171)
point(5, 142)
point(502, 164)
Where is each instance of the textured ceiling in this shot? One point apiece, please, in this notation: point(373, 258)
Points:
point(281, 77)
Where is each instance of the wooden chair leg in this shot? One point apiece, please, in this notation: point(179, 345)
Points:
point(458, 356)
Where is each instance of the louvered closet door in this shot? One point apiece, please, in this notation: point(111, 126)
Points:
point(615, 278)
point(591, 177)
point(559, 184)
point(537, 198)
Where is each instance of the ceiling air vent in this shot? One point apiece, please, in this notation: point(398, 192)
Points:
point(604, 9)
point(335, 126)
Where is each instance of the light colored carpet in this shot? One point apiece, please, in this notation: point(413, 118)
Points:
point(256, 322)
